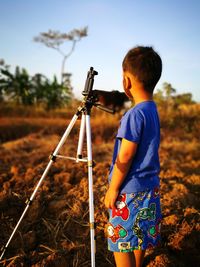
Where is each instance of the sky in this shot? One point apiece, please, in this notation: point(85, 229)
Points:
point(172, 27)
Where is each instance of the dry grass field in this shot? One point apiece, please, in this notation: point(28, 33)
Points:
point(55, 231)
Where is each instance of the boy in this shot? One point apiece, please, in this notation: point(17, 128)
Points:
point(133, 195)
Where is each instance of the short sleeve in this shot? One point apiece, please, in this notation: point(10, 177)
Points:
point(131, 126)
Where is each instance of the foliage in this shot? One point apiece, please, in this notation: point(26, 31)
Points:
point(167, 97)
point(19, 87)
point(55, 94)
point(183, 99)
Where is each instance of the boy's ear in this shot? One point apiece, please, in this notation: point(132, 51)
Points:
point(126, 82)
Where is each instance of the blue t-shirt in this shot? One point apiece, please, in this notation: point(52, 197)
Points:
point(141, 125)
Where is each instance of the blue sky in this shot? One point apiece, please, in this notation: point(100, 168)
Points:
point(172, 27)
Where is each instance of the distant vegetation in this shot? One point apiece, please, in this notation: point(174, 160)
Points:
point(168, 96)
point(22, 89)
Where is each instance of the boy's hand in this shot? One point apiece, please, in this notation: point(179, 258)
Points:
point(110, 198)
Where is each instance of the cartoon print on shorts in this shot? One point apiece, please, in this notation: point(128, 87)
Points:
point(125, 247)
point(114, 233)
point(121, 209)
point(156, 192)
point(154, 230)
point(143, 214)
point(138, 198)
point(148, 213)
point(138, 232)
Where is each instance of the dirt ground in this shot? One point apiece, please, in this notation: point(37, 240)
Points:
point(55, 230)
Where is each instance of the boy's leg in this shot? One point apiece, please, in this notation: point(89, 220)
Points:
point(129, 259)
point(124, 259)
point(139, 257)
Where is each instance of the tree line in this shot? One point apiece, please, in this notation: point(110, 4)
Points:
point(21, 88)
point(167, 96)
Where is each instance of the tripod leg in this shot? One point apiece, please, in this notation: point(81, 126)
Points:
point(81, 137)
point(91, 197)
point(63, 139)
point(65, 135)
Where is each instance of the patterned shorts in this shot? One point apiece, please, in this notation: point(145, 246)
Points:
point(135, 222)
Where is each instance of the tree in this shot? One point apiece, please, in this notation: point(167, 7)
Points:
point(39, 83)
point(159, 97)
point(2, 80)
point(17, 86)
point(55, 95)
point(37, 90)
point(54, 39)
point(167, 97)
point(185, 98)
point(168, 90)
point(50, 94)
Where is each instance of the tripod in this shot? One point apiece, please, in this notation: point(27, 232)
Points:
point(84, 111)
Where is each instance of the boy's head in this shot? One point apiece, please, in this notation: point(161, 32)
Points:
point(145, 65)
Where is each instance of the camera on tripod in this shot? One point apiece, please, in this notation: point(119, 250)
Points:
point(89, 82)
point(108, 101)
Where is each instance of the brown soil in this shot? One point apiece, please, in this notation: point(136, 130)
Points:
point(55, 230)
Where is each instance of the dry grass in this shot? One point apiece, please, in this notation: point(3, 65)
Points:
point(55, 231)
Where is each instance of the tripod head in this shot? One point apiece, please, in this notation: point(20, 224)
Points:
point(89, 82)
point(90, 97)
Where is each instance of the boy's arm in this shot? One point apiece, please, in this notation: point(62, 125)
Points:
point(121, 168)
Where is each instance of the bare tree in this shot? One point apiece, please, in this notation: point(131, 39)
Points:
point(54, 39)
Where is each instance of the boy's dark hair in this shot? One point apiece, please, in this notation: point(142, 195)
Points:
point(145, 64)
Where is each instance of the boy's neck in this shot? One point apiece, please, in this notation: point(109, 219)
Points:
point(135, 89)
point(142, 99)
point(142, 96)
point(139, 94)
